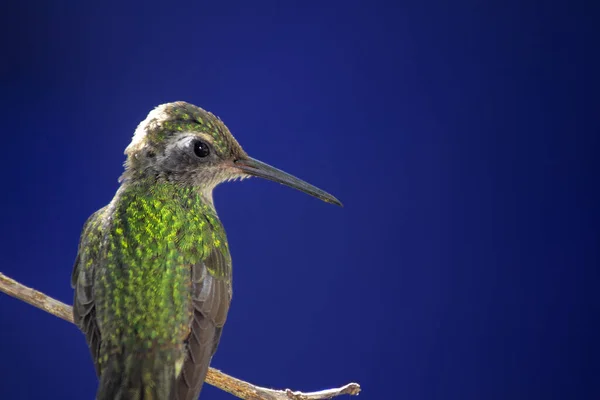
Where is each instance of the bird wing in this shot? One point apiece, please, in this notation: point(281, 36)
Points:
point(82, 280)
point(211, 296)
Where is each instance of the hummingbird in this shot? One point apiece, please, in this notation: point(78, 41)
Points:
point(152, 278)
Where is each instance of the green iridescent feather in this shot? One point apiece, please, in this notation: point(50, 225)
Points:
point(154, 238)
point(152, 276)
point(140, 251)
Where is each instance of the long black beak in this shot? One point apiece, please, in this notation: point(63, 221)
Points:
point(258, 168)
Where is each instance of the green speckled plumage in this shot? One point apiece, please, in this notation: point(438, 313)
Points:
point(158, 232)
point(152, 276)
point(140, 251)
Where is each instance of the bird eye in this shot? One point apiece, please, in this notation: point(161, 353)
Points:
point(201, 149)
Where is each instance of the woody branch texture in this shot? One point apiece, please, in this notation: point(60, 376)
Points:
point(243, 390)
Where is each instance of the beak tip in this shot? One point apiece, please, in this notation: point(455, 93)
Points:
point(331, 200)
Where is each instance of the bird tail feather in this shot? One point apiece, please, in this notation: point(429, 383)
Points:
point(137, 378)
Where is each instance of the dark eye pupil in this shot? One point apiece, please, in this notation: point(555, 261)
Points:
point(201, 149)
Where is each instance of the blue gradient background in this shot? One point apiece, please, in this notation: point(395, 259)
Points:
point(461, 137)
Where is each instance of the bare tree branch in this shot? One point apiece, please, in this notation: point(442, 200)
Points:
point(236, 387)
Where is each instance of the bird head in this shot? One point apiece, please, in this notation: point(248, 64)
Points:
point(182, 143)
